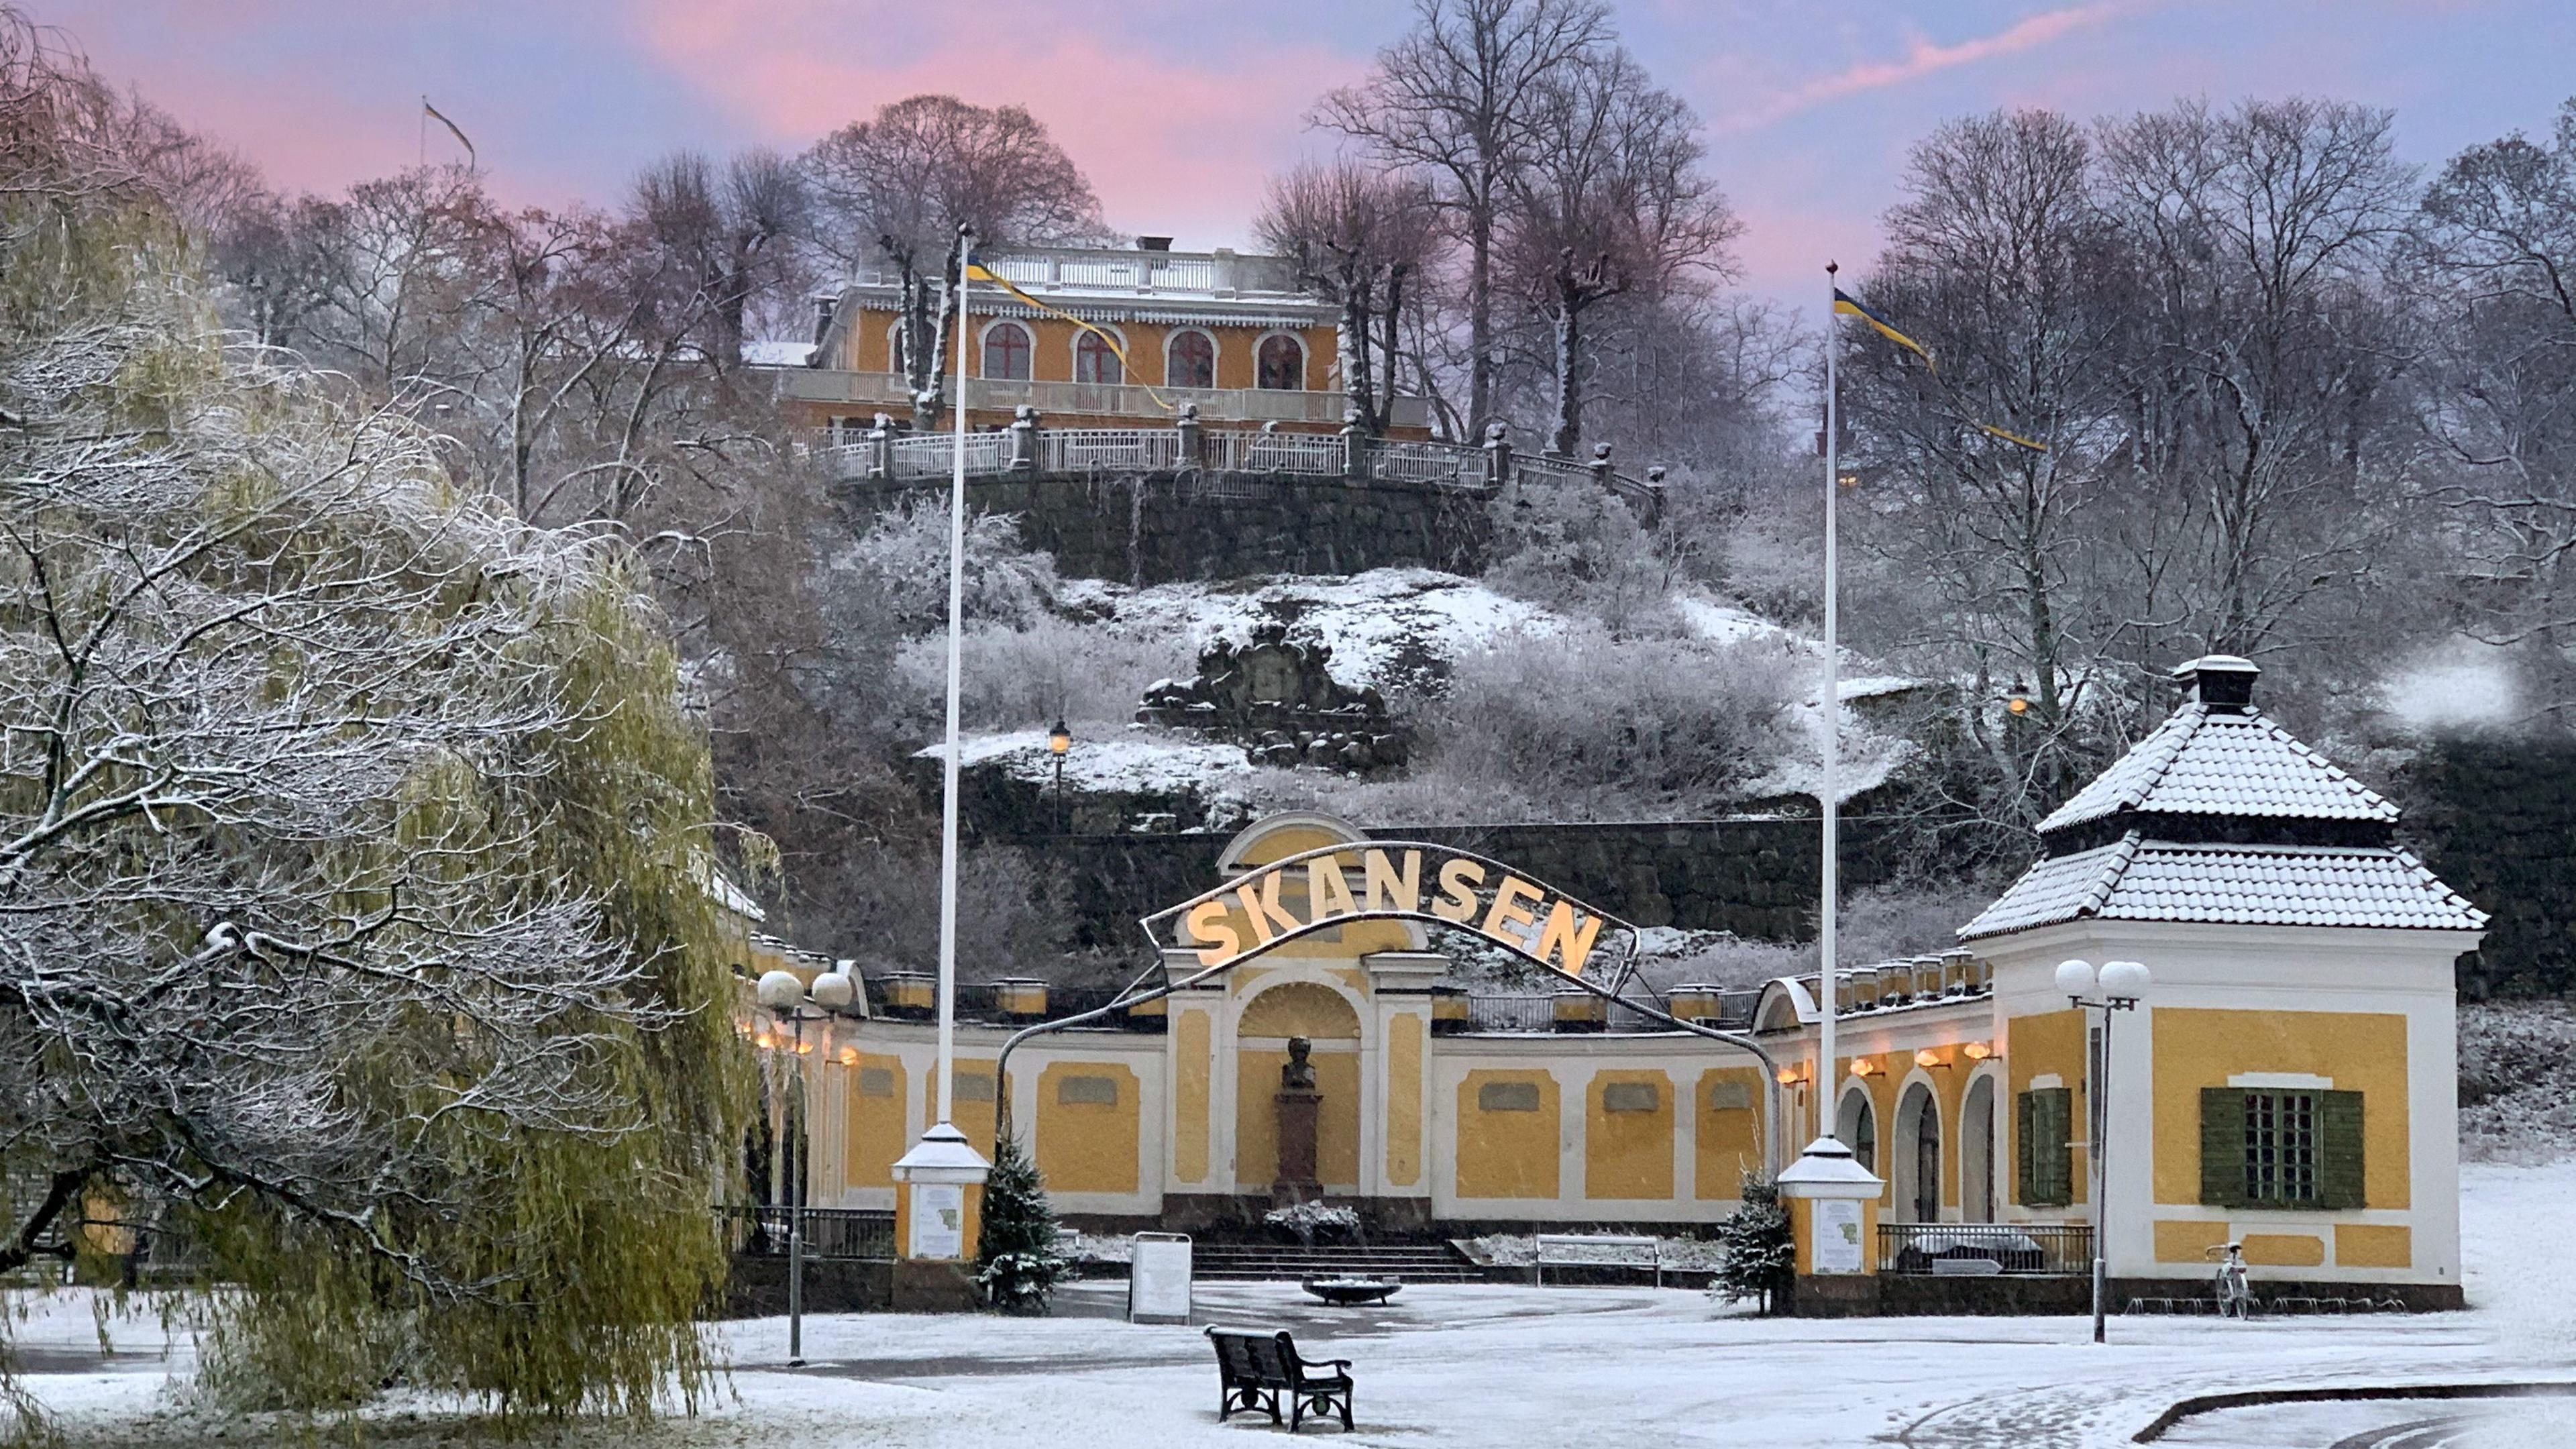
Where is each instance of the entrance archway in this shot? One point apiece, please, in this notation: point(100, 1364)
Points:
point(1977, 1153)
point(1917, 1155)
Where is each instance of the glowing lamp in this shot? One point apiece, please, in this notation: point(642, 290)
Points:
point(2018, 701)
point(1059, 739)
point(1976, 1051)
point(849, 1056)
point(1928, 1058)
point(1863, 1066)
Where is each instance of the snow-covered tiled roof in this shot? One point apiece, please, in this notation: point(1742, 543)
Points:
point(2206, 760)
point(2132, 879)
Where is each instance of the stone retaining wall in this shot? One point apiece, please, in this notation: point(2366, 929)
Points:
point(1154, 528)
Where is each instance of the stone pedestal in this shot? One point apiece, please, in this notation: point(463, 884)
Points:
point(1297, 1108)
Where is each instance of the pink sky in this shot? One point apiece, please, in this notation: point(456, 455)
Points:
point(1178, 112)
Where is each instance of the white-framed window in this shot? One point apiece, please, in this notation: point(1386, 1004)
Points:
point(1280, 364)
point(1189, 359)
point(1007, 350)
point(1095, 361)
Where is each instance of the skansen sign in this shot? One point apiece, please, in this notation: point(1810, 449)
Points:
point(1317, 890)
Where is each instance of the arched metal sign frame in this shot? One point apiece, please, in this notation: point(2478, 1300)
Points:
point(1139, 991)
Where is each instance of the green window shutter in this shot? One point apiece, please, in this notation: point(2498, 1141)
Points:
point(2339, 1181)
point(2222, 1146)
point(2042, 1117)
point(2025, 1157)
point(2056, 1161)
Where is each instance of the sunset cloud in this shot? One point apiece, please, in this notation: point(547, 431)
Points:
point(1924, 58)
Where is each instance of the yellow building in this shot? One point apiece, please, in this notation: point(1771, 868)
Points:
point(1231, 334)
point(2287, 1083)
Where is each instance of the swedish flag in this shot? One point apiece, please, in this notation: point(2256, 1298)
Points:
point(1845, 305)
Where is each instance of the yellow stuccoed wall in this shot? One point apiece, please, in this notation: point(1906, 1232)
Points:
point(2189, 1240)
point(1729, 1141)
point(873, 1133)
point(869, 349)
point(1088, 1146)
point(1404, 1039)
point(2198, 1047)
point(2374, 1245)
point(1507, 1154)
point(2046, 1043)
point(1628, 1154)
point(1193, 1035)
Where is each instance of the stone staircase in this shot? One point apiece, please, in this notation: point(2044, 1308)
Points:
point(1288, 1262)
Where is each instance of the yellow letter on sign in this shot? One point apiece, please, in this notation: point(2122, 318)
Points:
point(1508, 908)
point(1208, 923)
point(1327, 893)
point(1388, 890)
point(1458, 882)
point(1560, 933)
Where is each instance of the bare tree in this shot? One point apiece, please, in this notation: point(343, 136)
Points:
point(2001, 261)
point(1611, 201)
point(1455, 100)
point(2497, 242)
point(1357, 236)
point(728, 233)
point(900, 184)
point(2269, 343)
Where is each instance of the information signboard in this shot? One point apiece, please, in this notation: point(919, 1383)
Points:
point(1158, 1279)
point(1837, 1235)
point(938, 1221)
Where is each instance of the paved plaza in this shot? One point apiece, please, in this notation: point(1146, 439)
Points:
point(1498, 1367)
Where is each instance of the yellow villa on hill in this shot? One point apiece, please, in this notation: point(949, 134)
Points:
point(1229, 333)
point(2287, 1084)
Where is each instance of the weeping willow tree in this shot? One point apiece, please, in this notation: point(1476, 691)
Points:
point(354, 921)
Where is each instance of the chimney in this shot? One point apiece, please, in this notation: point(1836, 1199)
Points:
point(1153, 243)
point(2220, 681)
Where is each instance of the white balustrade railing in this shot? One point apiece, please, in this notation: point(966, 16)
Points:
point(856, 453)
point(1082, 450)
point(934, 455)
point(1426, 462)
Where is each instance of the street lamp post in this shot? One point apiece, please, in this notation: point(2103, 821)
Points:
point(785, 995)
point(1059, 742)
point(2116, 987)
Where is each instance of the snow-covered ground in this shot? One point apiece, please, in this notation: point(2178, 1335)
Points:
point(1502, 1367)
point(1380, 624)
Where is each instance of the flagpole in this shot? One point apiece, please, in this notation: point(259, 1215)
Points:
point(1828, 801)
point(948, 772)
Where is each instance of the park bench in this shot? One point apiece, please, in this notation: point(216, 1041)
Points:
point(1254, 1368)
point(1593, 1250)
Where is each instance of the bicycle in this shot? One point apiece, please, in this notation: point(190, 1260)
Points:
point(2235, 1297)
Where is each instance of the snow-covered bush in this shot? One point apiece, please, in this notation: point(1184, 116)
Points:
point(903, 559)
point(2517, 1080)
point(1308, 1221)
point(1653, 726)
point(1036, 671)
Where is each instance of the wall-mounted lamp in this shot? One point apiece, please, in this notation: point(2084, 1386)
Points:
point(849, 1056)
point(1930, 1060)
point(1791, 1076)
point(1863, 1066)
point(1976, 1051)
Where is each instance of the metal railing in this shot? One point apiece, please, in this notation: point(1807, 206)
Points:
point(1539, 1014)
point(1986, 1249)
point(1082, 450)
point(1025, 449)
point(866, 1234)
point(1426, 462)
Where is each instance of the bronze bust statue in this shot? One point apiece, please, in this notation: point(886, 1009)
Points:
point(1298, 1074)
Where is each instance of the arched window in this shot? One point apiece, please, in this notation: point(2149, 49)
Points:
point(1006, 352)
point(1283, 363)
point(1856, 1123)
point(1190, 360)
point(894, 348)
point(1093, 361)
